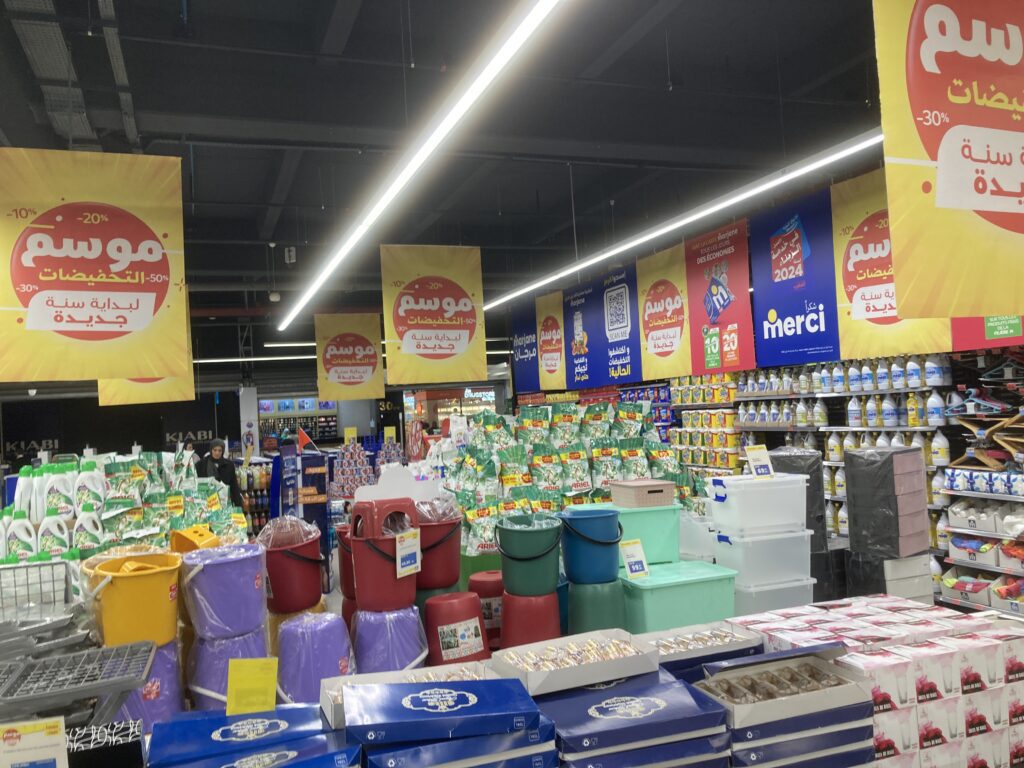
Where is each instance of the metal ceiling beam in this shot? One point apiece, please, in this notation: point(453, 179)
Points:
point(829, 75)
point(412, 233)
point(337, 29)
point(120, 70)
point(283, 178)
point(625, 42)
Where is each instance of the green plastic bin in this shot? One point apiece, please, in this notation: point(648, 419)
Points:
point(656, 527)
point(422, 595)
point(596, 606)
point(678, 595)
point(474, 564)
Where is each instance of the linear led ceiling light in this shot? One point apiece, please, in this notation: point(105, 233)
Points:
point(428, 143)
point(767, 183)
point(268, 359)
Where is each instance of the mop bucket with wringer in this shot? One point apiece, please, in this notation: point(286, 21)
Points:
point(377, 585)
point(196, 537)
point(529, 553)
point(293, 564)
point(590, 544)
point(136, 598)
point(224, 590)
point(440, 544)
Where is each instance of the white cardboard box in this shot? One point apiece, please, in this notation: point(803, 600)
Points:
point(895, 733)
point(934, 668)
point(892, 685)
point(907, 567)
point(910, 587)
point(1012, 637)
point(940, 722)
point(992, 749)
point(979, 659)
point(985, 712)
point(1013, 699)
point(943, 756)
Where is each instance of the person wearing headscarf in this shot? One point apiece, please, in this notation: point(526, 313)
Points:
point(217, 466)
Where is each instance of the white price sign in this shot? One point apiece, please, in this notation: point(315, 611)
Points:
point(407, 553)
point(760, 462)
point(633, 558)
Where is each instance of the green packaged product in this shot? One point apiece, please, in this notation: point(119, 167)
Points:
point(596, 421)
point(628, 420)
point(664, 461)
point(606, 463)
point(534, 423)
point(575, 470)
point(565, 424)
point(515, 468)
point(546, 468)
point(634, 461)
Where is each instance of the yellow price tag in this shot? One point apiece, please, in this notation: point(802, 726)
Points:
point(389, 432)
point(351, 434)
point(252, 686)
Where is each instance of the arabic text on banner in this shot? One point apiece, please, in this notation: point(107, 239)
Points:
point(869, 324)
point(664, 314)
point(433, 314)
point(550, 341)
point(951, 76)
point(718, 286)
point(794, 283)
point(524, 347)
point(987, 332)
point(97, 278)
point(602, 336)
point(349, 363)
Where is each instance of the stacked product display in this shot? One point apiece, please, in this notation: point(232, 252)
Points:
point(657, 399)
point(351, 470)
point(708, 437)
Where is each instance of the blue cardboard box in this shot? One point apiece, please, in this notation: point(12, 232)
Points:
point(629, 716)
point(473, 751)
point(789, 751)
point(420, 712)
point(327, 750)
point(710, 752)
point(199, 735)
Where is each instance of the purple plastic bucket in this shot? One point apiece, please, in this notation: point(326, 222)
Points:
point(312, 646)
point(389, 640)
point(208, 665)
point(161, 697)
point(225, 590)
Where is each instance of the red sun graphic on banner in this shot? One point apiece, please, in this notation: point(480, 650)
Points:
point(867, 272)
point(350, 358)
point(434, 318)
point(664, 315)
point(550, 344)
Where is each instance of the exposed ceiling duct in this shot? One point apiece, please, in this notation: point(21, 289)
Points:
point(110, 37)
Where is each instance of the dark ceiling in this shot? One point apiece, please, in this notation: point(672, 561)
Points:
point(285, 113)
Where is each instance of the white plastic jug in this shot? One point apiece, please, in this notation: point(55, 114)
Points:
point(810, 442)
point(60, 492)
point(898, 441)
point(915, 379)
point(838, 379)
point(762, 382)
point(844, 521)
point(954, 400)
point(872, 417)
point(936, 409)
point(835, 447)
point(774, 413)
point(801, 414)
point(901, 410)
point(88, 531)
point(853, 377)
point(942, 532)
point(21, 536)
point(839, 480)
point(897, 374)
point(37, 511)
point(3, 531)
point(940, 450)
point(90, 487)
point(882, 375)
point(741, 413)
point(866, 440)
point(54, 536)
point(883, 441)
point(947, 371)
point(918, 441)
point(762, 413)
point(826, 379)
point(828, 481)
point(820, 414)
point(933, 371)
point(773, 381)
point(938, 497)
point(23, 489)
point(867, 377)
point(816, 381)
point(854, 414)
point(803, 383)
point(849, 442)
point(936, 570)
point(787, 381)
point(890, 417)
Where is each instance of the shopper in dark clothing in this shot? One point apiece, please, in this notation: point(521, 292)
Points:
point(217, 466)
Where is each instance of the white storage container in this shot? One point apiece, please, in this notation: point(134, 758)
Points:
point(755, 505)
point(772, 597)
point(767, 559)
point(697, 537)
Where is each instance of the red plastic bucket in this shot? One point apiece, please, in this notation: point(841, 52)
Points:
point(529, 619)
point(377, 586)
point(293, 577)
point(439, 548)
point(455, 629)
point(488, 585)
point(369, 518)
point(345, 574)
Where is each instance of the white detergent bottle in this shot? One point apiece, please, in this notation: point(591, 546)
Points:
point(54, 536)
point(947, 371)
point(866, 440)
point(23, 490)
point(849, 442)
point(936, 409)
point(816, 381)
point(901, 410)
point(939, 499)
point(853, 376)
point(897, 374)
point(883, 441)
point(940, 450)
point(838, 378)
point(820, 414)
point(942, 532)
point(810, 442)
point(826, 378)
point(741, 413)
point(882, 375)
point(872, 418)
point(88, 531)
point(835, 447)
point(803, 382)
point(844, 521)
point(915, 380)
point(897, 441)
point(801, 414)
point(4, 518)
point(933, 371)
point(854, 414)
point(890, 418)
point(762, 413)
point(21, 536)
point(60, 492)
point(828, 481)
point(773, 413)
point(839, 480)
point(762, 382)
point(90, 487)
point(867, 377)
point(38, 509)
point(787, 381)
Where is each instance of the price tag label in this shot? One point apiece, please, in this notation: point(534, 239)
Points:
point(252, 685)
point(389, 434)
point(760, 462)
point(351, 434)
point(633, 558)
point(34, 744)
point(407, 553)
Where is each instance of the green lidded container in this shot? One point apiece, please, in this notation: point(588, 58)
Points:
point(474, 564)
point(677, 595)
point(656, 527)
point(596, 606)
point(529, 553)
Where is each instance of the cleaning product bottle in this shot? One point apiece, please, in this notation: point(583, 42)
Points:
point(872, 418)
point(882, 374)
point(853, 377)
point(90, 487)
point(898, 441)
point(854, 414)
point(810, 442)
point(939, 499)
point(844, 521)
point(901, 410)
point(828, 481)
point(787, 381)
point(867, 377)
point(913, 413)
point(835, 447)
point(762, 382)
point(4, 517)
point(914, 378)
point(803, 382)
point(60, 492)
point(838, 378)
point(936, 410)
point(54, 537)
point(826, 378)
point(947, 371)
point(88, 532)
point(897, 374)
point(38, 509)
point(741, 413)
point(773, 413)
point(773, 381)
point(919, 442)
point(867, 440)
point(883, 441)
point(816, 381)
point(23, 490)
point(933, 371)
point(21, 536)
point(942, 532)
point(801, 414)
point(936, 570)
point(762, 413)
point(940, 450)
point(839, 481)
point(890, 418)
point(820, 414)
point(849, 442)
point(922, 409)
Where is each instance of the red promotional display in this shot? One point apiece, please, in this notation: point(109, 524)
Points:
point(986, 332)
point(718, 289)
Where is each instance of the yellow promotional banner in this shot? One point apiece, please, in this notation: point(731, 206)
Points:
point(664, 314)
point(550, 341)
point(870, 323)
point(96, 285)
point(433, 314)
point(951, 87)
point(136, 391)
point(349, 362)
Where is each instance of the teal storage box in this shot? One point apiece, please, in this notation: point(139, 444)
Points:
point(656, 527)
point(678, 595)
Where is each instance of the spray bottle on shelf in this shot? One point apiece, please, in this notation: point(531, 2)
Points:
point(21, 536)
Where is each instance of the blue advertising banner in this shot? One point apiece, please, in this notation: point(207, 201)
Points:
point(524, 347)
point(602, 332)
point(793, 271)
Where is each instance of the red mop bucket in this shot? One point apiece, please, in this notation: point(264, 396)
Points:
point(489, 586)
point(369, 518)
point(345, 574)
point(293, 576)
point(439, 547)
point(455, 629)
point(373, 555)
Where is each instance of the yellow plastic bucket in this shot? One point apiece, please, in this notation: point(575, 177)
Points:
point(90, 565)
point(196, 537)
point(136, 598)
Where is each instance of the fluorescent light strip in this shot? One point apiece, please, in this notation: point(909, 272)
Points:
point(268, 359)
point(772, 181)
point(416, 158)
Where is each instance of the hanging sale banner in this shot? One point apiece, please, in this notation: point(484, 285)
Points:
point(96, 285)
point(550, 341)
point(664, 316)
point(869, 324)
point(524, 348)
point(602, 332)
point(718, 286)
point(794, 283)
point(986, 332)
point(349, 360)
point(137, 391)
point(951, 85)
point(433, 314)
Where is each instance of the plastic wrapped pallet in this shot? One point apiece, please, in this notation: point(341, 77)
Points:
point(887, 501)
point(801, 461)
point(829, 585)
point(865, 575)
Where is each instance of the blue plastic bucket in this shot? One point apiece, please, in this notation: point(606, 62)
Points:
point(590, 545)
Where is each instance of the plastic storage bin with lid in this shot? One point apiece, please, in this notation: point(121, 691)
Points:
point(746, 504)
point(772, 597)
point(678, 594)
point(656, 527)
point(765, 559)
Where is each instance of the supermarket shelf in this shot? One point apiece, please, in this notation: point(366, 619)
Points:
point(774, 428)
point(878, 429)
point(937, 507)
point(943, 553)
point(980, 534)
point(964, 604)
point(833, 497)
point(708, 466)
point(825, 395)
point(704, 407)
point(928, 467)
point(978, 495)
point(979, 567)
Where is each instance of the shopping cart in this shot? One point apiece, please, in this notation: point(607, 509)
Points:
point(37, 614)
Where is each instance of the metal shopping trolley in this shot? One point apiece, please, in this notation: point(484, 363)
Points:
point(37, 614)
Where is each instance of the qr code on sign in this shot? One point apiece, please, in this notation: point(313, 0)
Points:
point(616, 313)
